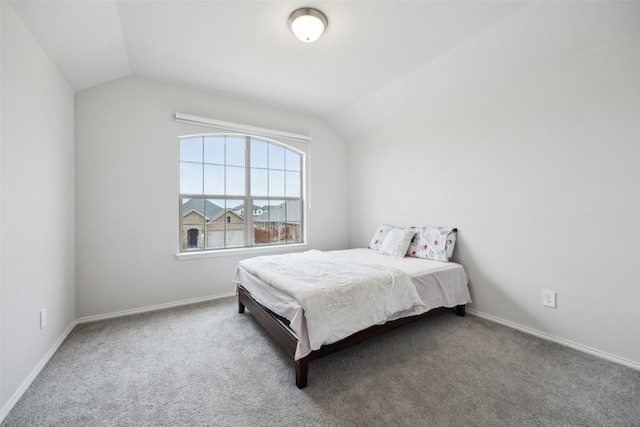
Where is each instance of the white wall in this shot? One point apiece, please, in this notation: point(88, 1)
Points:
point(542, 178)
point(37, 208)
point(127, 192)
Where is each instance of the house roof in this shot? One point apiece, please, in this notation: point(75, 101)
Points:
point(203, 207)
point(241, 206)
point(288, 211)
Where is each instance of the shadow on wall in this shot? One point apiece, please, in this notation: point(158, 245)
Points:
point(492, 294)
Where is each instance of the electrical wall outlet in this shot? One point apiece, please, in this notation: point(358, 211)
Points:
point(548, 298)
point(43, 317)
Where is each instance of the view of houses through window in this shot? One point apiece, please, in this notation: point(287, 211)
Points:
point(238, 191)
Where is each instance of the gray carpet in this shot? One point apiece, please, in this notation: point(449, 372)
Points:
point(207, 365)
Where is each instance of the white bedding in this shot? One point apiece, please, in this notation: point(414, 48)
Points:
point(339, 296)
point(438, 284)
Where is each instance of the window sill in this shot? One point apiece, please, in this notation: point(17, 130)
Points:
point(261, 250)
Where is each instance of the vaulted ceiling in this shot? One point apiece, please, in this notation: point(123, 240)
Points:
point(378, 61)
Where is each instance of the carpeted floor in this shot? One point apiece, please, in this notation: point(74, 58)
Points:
point(207, 365)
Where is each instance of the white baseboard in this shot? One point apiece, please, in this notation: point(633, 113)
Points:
point(151, 308)
point(555, 339)
point(34, 374)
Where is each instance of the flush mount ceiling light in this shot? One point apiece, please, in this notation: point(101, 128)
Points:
point(307, 24)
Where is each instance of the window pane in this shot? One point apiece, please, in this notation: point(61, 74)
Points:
point(215, 237)
point(276, 183)
point(259, 154)
point(259, 182)
point(192, 238)
point(276, 157)
point(213, 179)
point(190, 178)
point(277, 222)
point(224, 224)
point(294, 232)
point(234, 224)
point(237, 206)
point(215, 209)
point(191, 149)
point(293, 184)
point(192, 212)
point(214, 149)
point(261, 223)
point(293, 221)
point(235, 151)
point(235, 181)
point(294, 210)
point(192, 224)
point(293, 161)
point(271, 227)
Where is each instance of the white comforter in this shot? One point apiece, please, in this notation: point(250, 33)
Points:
point(339, 297)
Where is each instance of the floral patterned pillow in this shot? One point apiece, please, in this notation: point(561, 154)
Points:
point(378, 236)
point(397, 242)
point(436, 243)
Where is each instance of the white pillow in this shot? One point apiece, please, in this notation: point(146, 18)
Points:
point(378, 236)
point(397, 242)
point(436, 243)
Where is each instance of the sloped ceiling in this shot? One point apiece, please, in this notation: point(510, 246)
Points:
point(378, 62)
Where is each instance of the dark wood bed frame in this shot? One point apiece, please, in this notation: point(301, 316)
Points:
point(283, 336)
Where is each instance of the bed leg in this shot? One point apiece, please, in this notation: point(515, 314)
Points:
point(240, 307)
point(302, 369)
point(460, 310)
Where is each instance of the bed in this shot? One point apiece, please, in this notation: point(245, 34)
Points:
point(439, 286)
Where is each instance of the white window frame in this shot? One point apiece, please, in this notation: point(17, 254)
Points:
point(295, 142)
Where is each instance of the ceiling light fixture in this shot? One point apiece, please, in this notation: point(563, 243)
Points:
point(308, 24)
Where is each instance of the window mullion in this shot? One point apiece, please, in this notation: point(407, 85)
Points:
point(204, 202)
point(248, 209)
point(226, 199)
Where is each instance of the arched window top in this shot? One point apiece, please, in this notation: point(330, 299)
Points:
point(243, 129)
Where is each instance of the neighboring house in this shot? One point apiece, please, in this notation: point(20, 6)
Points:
point(207, 225)
point(279, 223)
point(257, 210)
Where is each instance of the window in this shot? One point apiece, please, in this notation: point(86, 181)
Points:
point(239, 191)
